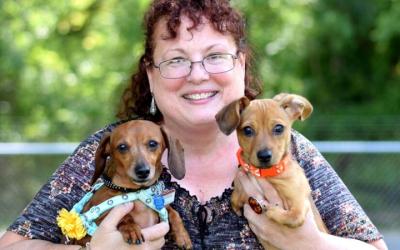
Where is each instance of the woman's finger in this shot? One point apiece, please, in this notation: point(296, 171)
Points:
point(269, 192)
point(155, 232)
point(256, 222)
point(250, 185)
point(260, 189)
point(251, 216)
point(112, 219)
point(156, 244)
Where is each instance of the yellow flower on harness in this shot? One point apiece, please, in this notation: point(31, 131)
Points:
point(71, 224)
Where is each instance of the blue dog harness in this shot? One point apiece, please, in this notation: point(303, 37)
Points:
point(154, 197)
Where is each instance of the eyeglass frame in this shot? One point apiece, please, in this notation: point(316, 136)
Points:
point(234, 57)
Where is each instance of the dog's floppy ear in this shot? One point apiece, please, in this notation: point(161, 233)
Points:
point(176, 159)
point(228, 118)
point(297, 107)
point(102, 152)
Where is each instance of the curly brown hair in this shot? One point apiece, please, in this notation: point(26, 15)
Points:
point(136, 98)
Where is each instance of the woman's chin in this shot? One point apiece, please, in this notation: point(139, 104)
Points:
point(203, 119)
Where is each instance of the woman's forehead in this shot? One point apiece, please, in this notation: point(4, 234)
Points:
point(209, 36)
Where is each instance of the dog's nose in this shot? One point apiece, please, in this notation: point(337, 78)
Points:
point(264, 155)
point(142, 171)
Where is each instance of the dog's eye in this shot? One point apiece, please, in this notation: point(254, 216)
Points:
point(278, 129)
point(152, 144)
point(248, 131)
point(122, 148)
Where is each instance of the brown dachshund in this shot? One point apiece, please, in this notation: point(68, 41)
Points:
point(130, 159)
point(264, 132)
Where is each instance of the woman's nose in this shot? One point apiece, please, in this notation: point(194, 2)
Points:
point(198, 73)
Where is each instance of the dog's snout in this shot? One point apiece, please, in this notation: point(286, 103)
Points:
point(142, 171)
point(264, 155)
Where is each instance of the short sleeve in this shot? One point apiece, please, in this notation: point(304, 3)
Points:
point(65, 187)
point(340, 211)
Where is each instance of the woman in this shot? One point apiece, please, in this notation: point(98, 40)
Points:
point(196, 61)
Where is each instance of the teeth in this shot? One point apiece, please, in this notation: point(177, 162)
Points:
point(199, 96)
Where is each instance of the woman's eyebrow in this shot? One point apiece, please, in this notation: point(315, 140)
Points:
point(183, 51)
point(180, 50)
point(212, 46)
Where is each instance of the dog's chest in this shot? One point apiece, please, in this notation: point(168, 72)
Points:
point(143, 215)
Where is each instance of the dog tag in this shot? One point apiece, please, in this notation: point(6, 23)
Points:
point(158, 202)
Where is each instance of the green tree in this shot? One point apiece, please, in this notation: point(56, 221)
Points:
point(64, 64)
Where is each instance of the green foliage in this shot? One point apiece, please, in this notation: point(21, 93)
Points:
point(64, 64)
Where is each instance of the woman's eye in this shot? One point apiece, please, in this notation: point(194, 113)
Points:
point(152, 144)
point(248, 131)
point(175, 61)
point(278, 129)
point(216, 58)
point(122, 148)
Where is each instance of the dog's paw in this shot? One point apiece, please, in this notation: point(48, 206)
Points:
point(289, 218)
point(131, 233)
point(183, 240)
point(237, 209)
point(276, 214)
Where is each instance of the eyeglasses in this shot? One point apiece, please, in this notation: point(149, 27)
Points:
point(182, 67)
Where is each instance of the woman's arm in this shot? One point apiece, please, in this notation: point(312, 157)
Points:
point(334, 242)
point(337, 206)
point(11, 241)
point(106, 236)
point(306, 236)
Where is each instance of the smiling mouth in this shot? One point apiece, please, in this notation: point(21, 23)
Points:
point(200, 96)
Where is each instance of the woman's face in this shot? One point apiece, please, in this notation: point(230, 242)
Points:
point(195, 99)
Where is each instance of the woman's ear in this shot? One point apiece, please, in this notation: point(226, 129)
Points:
point(242, 60)
point(242, 64)
point(150, 72)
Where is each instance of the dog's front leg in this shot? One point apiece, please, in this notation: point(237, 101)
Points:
point(238, 198)
point(178, 230)
point(293, 217)
point(131, 232)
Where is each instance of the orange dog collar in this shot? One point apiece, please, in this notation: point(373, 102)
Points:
point(272, 171)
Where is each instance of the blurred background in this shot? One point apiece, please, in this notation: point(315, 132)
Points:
point(64, 64)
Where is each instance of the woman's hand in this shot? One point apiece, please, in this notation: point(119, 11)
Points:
point(279, 235)
point(267, 230)
point(107, 235)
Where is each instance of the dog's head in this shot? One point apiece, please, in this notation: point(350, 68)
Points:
point(131, 154)
point(263, 126)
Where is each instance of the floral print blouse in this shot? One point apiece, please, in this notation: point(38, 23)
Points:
point(213, 225)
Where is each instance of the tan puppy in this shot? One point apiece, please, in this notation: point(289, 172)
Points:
point(264, 131)
point(130, 158)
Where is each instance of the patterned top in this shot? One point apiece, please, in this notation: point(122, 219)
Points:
point(213, 225)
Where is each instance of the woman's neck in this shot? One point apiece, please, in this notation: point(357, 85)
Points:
point(210, 161)
point(199, 140)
